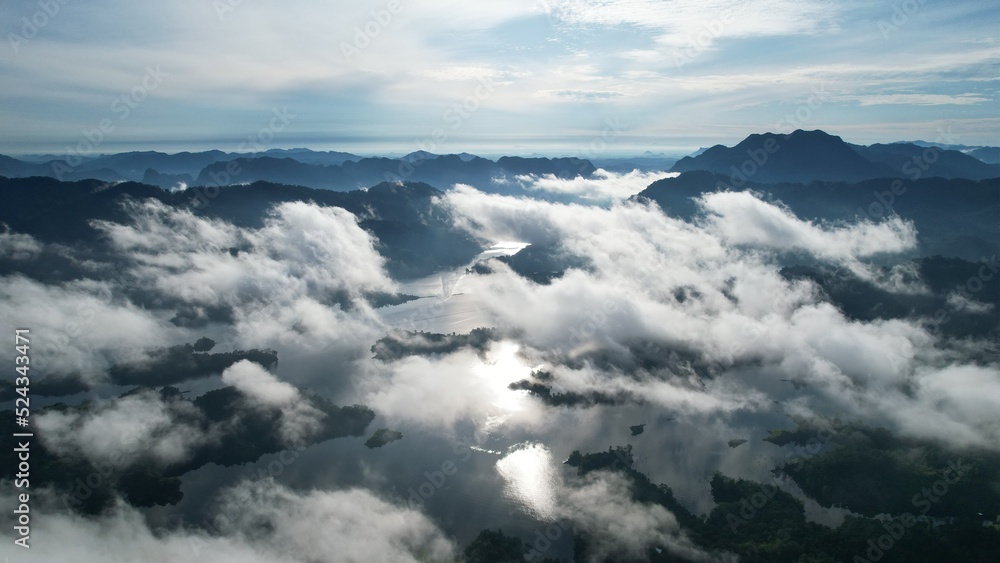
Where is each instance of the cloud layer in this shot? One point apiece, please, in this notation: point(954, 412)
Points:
point(679, 73)
point(254, 522)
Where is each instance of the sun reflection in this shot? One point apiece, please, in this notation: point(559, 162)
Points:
point(502, 367)
point(530, 480)
point(504, 248)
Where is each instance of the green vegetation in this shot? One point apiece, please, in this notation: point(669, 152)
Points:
point(168, 366)
point(245, 433)
point(870, 472)
point(383, 436)
point(494, 547)
point(762, 523)
point(402, 343)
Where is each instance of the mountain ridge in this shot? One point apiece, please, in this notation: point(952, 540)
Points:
point(805, 156)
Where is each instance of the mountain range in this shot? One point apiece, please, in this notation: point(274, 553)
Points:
point(415, 236)
point(804, 156)
point(801, 156)
point(955, 217)
point(325, 170)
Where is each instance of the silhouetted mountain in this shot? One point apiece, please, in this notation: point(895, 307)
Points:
point(908, 160)
point(130, 166)
point(416, 237)
point(443, 171)
point(165, 181)
point(953, 217)
point(326, 170)
point(542, 263)
point(804, 156)
point(279, 170)
point(448, 170)
point(14, 168)
point(420, 155)
point(133, 165)
point(246, 432)
point(801, 156)
point(989, 155)
point(944, 278)
point(946, 146)
point(307, 156)
point(643, 163)
point(561, 167)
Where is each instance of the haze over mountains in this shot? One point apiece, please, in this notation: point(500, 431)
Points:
point(801, 156)
point(629, 356)
point(451, 282)
point(326, 170)
point(804, 156)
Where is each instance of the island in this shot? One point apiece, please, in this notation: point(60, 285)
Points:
point(383, 436)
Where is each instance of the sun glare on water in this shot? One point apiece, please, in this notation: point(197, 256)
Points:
point(530, 480)
point(503, 366)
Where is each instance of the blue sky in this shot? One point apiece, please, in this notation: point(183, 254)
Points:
point(588, 77)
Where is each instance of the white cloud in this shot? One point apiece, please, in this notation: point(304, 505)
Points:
point(302, 249)
point(601, 506)
point(299, 419)
point(289, 278)
point(598, 504)
point(712, 292)
point(81, 327)
point(255, 382)
point(125, 431)
point(682, 21)
point(16, 246)
point(351, 525)
point(261, 522)
point(603, 186)
point(742, 219)
point(462, 386)
point(960, 302)
point(918, 99)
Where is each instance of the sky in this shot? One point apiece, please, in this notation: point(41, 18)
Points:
point(571, 77)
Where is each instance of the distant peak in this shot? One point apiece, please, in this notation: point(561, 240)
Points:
point(420, 155)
